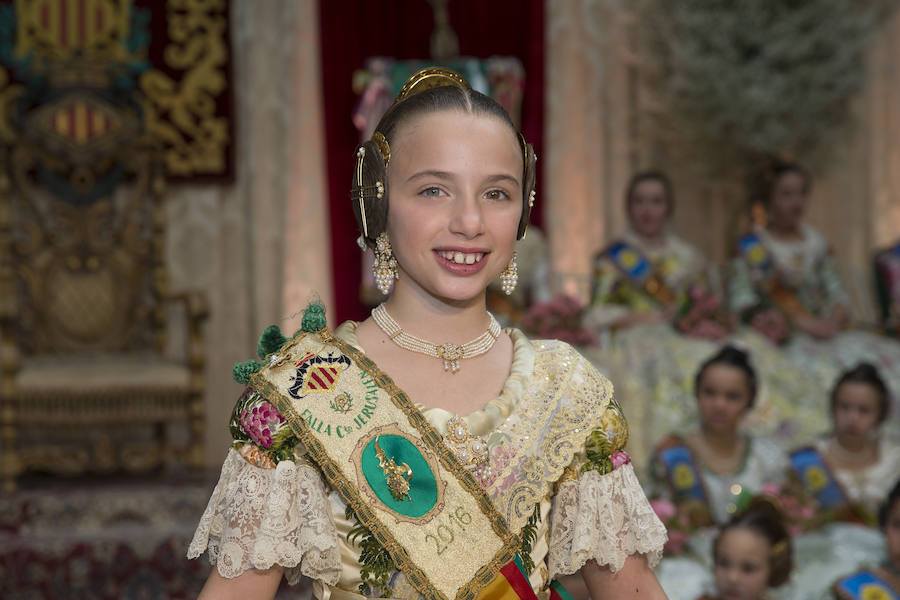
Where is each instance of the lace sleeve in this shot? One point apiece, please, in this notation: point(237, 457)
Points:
point(602, 517)
point(259, 517)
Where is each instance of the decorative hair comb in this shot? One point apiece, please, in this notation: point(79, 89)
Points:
point(430, 77)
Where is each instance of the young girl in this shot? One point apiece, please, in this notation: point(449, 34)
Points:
point(881, 582)
point(854, 466)
point(751, 555)
point(708, 471)
point(425, 452)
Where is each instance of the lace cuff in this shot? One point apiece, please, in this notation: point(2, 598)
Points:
point(602, 517)
point(257, 518)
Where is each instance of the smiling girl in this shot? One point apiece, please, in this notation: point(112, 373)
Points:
point(425, 452)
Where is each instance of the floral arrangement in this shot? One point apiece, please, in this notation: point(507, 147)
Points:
point(801, 511)
point(680, 521)
point(560, 319)
point(702, 315)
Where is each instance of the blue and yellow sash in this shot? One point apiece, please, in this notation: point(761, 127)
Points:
point(755, 253)
point(866, 584)
point(635, 266)
point(392, 468)
point(817, 478)
point(685, 480)
point(762, 268)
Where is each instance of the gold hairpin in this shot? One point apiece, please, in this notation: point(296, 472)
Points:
point(383, 146)
point(780, 548)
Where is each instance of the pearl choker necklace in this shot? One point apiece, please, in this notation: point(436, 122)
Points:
point(449, 353)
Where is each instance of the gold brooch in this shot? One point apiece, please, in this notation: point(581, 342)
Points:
point(397, 476)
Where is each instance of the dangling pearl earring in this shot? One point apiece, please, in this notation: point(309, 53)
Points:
point(509, 276)
point(385, 266)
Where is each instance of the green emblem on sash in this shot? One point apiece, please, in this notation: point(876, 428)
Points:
point(421, 493)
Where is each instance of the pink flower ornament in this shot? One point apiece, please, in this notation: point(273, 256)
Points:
point(260, 422)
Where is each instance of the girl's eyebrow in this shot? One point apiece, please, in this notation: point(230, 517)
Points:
point(431, 174)
point(503, 177)
point(435, 174)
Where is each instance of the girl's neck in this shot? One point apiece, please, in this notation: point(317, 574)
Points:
point(785, 232)
point(656, 240)
point(434, 320)
point(854, 452)
point(722, 443)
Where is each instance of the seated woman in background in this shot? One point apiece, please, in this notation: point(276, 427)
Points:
point(853, 468)
point(638, 278)
point(885, 579)
point(708, 472)
point(647, 286)
point(785, 280)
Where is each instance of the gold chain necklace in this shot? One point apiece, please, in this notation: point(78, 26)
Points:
point(451, 354)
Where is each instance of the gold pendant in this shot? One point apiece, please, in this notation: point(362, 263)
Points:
point(397, 476)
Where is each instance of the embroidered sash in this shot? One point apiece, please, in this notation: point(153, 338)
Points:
point(762, 267)
point(684, 478)
point(392, 468)
point(817, 478)
point(866, 584)
point(635, 266)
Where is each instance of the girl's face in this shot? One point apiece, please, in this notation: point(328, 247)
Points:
point(788, 202)
point(723, 396)
point(648, 208)
point(855, 412)
point(455, 182)
point(892, 535)
point(742, 564)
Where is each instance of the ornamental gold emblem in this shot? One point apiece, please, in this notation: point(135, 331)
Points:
point(683, 476)
point(397, 476)
point(815, 478)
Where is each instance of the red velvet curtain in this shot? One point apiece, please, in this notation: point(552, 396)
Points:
point(353, 31)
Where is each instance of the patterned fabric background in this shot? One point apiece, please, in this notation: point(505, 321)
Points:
point(89, 75)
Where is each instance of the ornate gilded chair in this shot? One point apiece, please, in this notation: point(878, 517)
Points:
point(91, 379)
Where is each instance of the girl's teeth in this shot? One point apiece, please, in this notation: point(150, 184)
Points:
point(461, 258)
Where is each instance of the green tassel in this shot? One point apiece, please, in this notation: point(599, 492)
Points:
point(313, 318)
point(529, 535)
point(243, 370)
point(271, 340)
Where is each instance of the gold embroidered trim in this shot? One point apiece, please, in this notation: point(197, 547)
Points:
point(561, 409)
point(351, 494)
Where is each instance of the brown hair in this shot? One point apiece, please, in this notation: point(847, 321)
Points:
point(779, 169)
point(884, 511)
point(763, 518)
point(433, 100)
